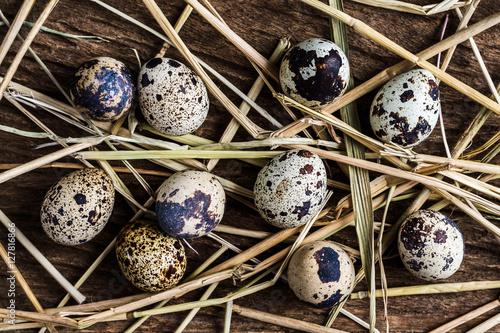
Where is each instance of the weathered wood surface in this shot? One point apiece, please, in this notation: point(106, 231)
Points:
point(261, 24)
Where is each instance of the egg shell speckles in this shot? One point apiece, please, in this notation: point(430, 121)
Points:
point(314, 72)
point(172, 98)
point(430, 245)
point(150, 259)
point(103, 89)
point(321, 273)
point(190, 204)
point(289, 190)
point(77, 207)
point(406, 109)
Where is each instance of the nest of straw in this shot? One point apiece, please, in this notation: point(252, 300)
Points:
point(235, 274)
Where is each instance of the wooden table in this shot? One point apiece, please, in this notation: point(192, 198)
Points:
point(261, 24)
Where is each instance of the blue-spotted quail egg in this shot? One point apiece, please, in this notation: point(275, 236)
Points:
point(289, 190)
point(103, 89)
point(150, 259)
point(406, 109)
point(77, 207)
point(190, 204)
point(172, 97)
point(314, 72)
point(321, 273)
point(430, 245)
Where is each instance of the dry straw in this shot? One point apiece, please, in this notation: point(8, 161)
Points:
point(408, 7)
point(356, 208)
point(358, 177)
point(15, 27)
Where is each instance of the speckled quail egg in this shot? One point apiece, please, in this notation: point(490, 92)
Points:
point(406, 109)
point(321, 273)
point(150, 259)
point(77, 207)
point(190, 204)
point(172, 98)
point(430, 245)
point(103, 89)
point(314, 72)
point(289, 190)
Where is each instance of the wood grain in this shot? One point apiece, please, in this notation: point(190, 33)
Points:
point(261, 24)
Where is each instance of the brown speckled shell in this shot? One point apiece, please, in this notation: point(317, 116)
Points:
point(190, 204)
point(172, 98)
point(430, 245)
point(150, 259)
point(321, 273)
point(289, 190)
point(406, 109)
point(314, 72)
point(77, 207)
point(103, 89)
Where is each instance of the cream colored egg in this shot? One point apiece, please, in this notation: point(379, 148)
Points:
point(172, 98)
point(321, 273)
point(430, 245)
point(315, 72)
point(406, 109)
point(289, 190)
point(77, 207)
point(190, 204)
point(150, 259)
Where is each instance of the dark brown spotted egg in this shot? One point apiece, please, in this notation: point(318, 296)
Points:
point(314, 72)
point(321, 273)
point(77, 207)
point(103, 89)
point(289, 190)
point(150, 259)
point(406, 109)
point(430, 245)
point(190, 204)
point(172, 97)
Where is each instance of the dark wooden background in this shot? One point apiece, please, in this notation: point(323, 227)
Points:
point(262, 24)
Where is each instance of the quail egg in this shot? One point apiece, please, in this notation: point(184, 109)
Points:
point(103, 89)
point(321, 273)
point(172, 98)
point(430, 245)
point(190, 204)
point(289, 190)
point(314, 72)
point(150, 259)
point(77, 207)
point(406, 109)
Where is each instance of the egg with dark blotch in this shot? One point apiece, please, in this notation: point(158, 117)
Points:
point(150, 259)
point(190, 204)
point(321, 274)
point(289, 190)
point(77, 207)
point(103, 89)
point(314, 72)
point(406, 109)
point(430, 245)
point(172, 97)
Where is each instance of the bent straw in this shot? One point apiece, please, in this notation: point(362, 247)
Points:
point(42, 260)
